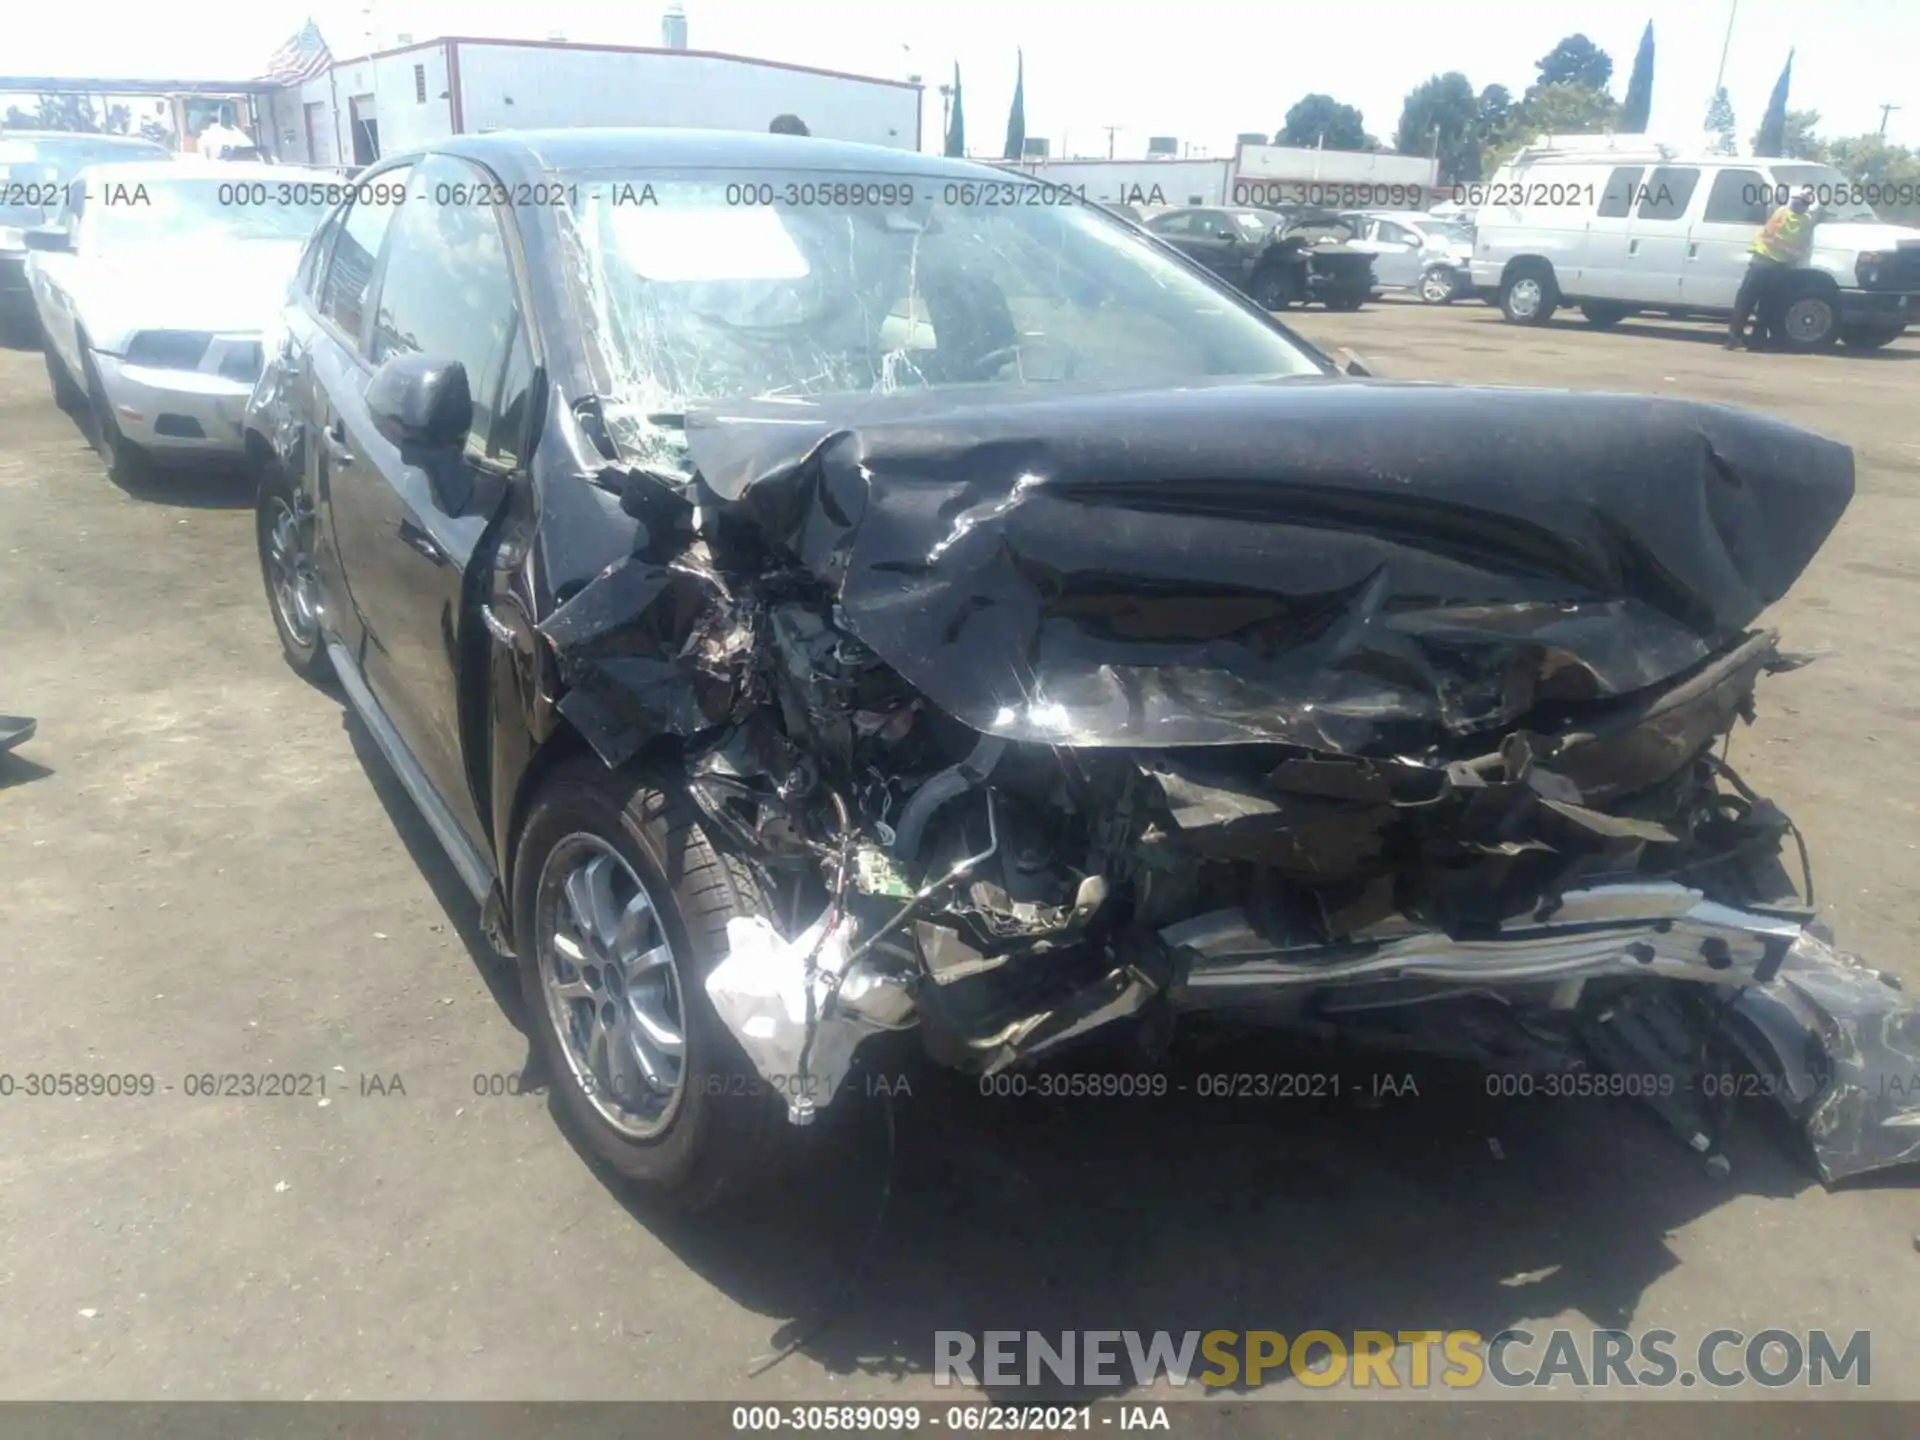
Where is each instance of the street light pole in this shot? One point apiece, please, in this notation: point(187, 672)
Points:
point(1886, 110)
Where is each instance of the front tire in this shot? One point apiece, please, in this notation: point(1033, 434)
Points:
point(1529, 296)
point(126, 461)
point(1437, 286)
point(1809, 322)
point(1274, 288)
point(283, 527)
point(620, 905)
point(71, 399)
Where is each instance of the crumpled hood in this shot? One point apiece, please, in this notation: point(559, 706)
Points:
point(235, 286)
point(1347, 566)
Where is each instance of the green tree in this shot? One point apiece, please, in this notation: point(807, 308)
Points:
point(1893, 169)
point(1441, 118)
point(1321, 120)
point(1495, 112)
point(1576, 60)
point(1771, 135)
point(1721, 123)
point(1639, 102)
point(1797, 140)
point(1562, 109)
point(66, 112)
point(1017, 116)
point(957, 122)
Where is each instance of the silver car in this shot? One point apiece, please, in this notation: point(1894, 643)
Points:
point(1411, 251)
point(153, 284)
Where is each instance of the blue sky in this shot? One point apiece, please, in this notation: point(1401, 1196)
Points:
point(1200, 70)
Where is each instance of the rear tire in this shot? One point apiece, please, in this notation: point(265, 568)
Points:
point(1346, 300)
point(1864, 337)
point(1604, 315)
point(283, 527)
point(68, 396)
point(1528, 295)
point(723, 1129)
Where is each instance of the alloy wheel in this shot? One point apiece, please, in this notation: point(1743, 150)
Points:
point(612, 986)
point(1523, 298)
point(290, 568)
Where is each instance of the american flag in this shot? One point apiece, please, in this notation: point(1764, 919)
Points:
point(304, 56)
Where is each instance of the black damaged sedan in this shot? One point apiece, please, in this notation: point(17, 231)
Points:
point(816, 592)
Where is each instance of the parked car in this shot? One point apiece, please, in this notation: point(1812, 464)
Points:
point(1416, 252)
point(1619, 226)
point(153, 283)
point(1281, 257)
point(975, 624)
point(35, 166)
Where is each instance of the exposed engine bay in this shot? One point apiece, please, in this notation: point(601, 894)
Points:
point(1397, 714)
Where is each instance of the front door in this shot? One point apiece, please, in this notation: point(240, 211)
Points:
point(1721, 241)
point(446, 289)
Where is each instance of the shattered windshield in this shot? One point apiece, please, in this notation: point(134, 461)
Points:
point(732, 285)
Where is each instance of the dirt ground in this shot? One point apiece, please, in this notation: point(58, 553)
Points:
point(205, 870)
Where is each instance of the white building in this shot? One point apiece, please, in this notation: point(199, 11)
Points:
point(396, 99)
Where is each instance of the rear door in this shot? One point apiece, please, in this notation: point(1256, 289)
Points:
point(1720, 241)
point(1657, 236)
point(1603, 255)
point(447, 289)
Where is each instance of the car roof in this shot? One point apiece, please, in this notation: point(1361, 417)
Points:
point(77, 139)
point(184, 168)
point(595, 147)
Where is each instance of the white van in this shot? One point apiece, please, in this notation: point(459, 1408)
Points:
point(1618, 225)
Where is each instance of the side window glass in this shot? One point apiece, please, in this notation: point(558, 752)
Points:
point(507, 441)
point(1738, 197)
point(447, 290)
point(1621, 187)
point(315, 259)
point(1667, 192)
point(348, 282)
point(1170, 224)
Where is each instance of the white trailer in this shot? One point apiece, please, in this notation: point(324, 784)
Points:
point(1265, 175)
point(398, 99)
point(1144, 184)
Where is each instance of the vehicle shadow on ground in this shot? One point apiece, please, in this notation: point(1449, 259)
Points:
point(1449, 1209)
point(19, 770)
point(215, 483)
point(1393, 1194)
point(425, 850)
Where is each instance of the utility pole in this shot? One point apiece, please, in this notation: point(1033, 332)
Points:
point(946, 108)
point(1885, 110)
point(1111, 130)
point(1720, 76)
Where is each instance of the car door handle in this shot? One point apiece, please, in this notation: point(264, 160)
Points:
point(335, 439)
point(1633, 247)
point(1693, 252)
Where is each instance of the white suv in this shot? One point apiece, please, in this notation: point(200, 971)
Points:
point(1617, 225)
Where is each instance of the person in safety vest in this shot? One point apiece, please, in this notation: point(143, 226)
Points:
point(1785, 241)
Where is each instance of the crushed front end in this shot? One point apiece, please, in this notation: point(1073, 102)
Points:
point(1394, 714)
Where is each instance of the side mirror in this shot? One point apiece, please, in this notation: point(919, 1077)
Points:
point(419, 402)
point(424, 407)
point(51, 238)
